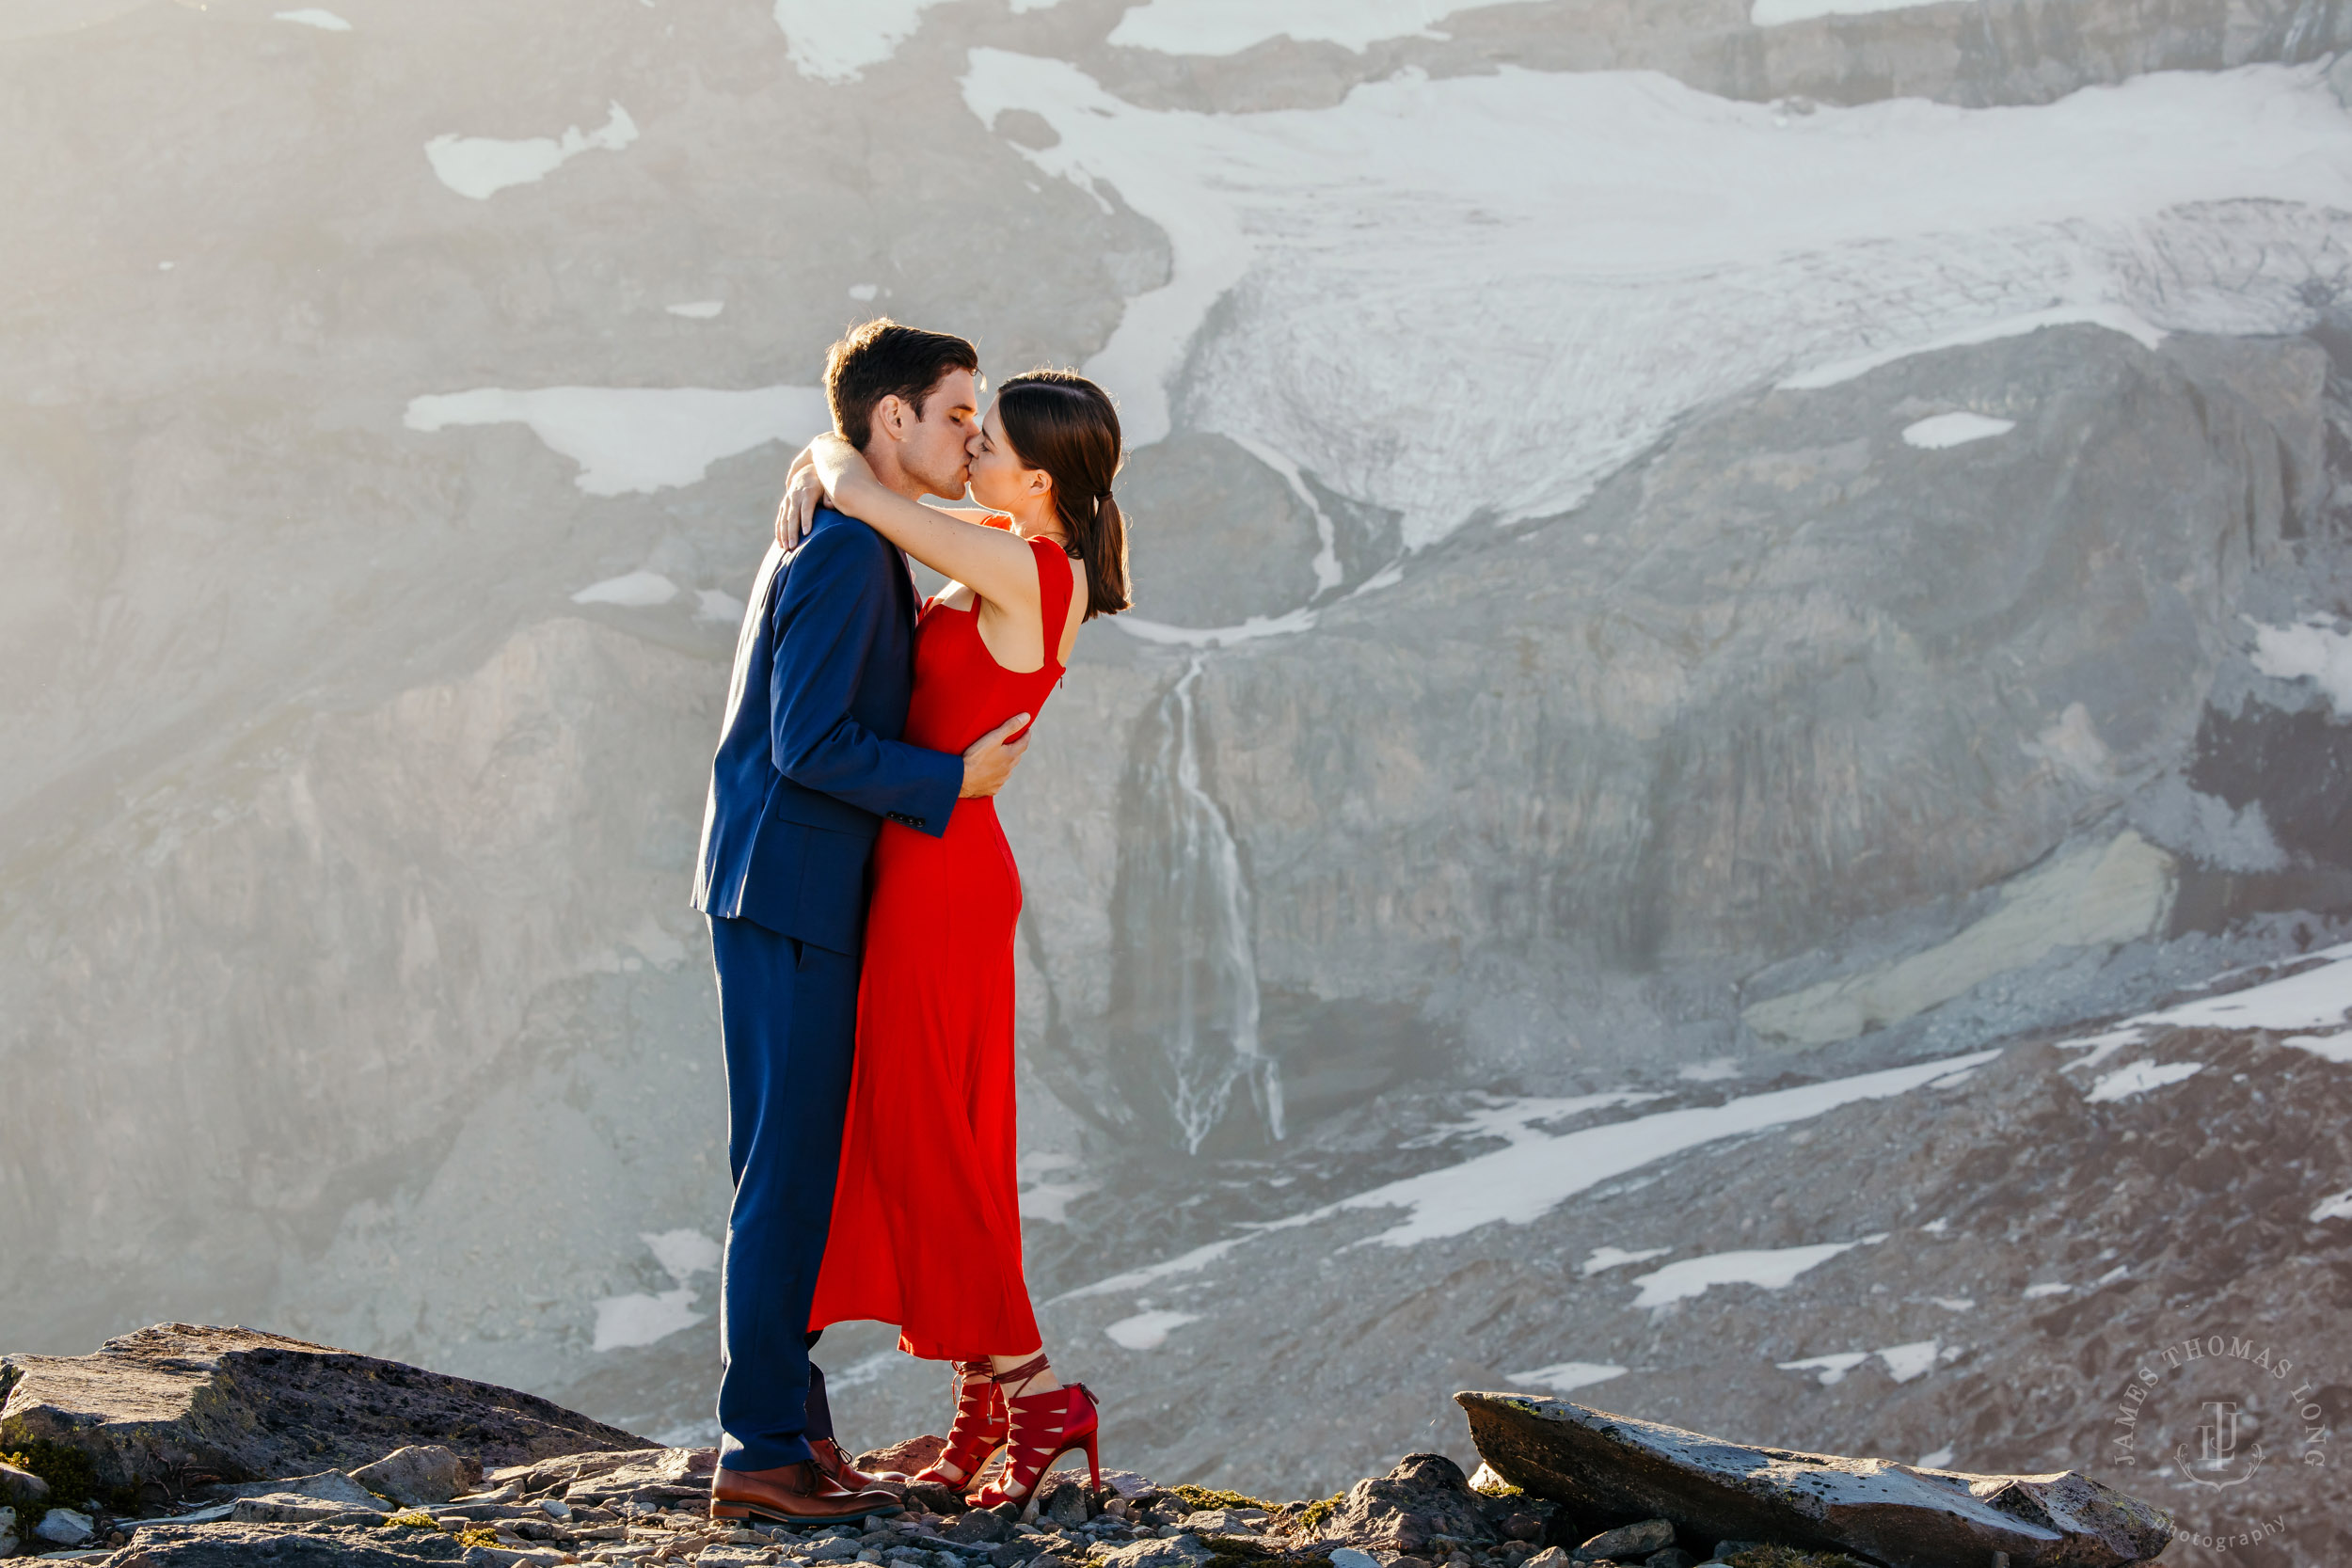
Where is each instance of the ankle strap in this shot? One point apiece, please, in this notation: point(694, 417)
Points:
point(1027, 1370)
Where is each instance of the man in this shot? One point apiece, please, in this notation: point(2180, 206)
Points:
point(809, 764)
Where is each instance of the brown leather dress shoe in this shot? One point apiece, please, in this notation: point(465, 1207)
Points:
point(833, 1463)
point(791, 1494)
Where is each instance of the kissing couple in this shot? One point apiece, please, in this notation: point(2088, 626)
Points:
point(862, 903)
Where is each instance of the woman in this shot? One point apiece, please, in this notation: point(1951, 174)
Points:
point(926, 1221)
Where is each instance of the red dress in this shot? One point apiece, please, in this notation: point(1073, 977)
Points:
point(926, 1215)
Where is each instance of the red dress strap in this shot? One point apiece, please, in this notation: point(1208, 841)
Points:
point(1055, 586)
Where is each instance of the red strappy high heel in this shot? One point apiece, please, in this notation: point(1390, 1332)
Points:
point(976, 1433)
point(1043, 1427)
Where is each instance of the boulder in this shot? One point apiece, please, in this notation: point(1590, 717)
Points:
point(327, 1486)
point(1619, 1466)
point(1424, 1496)
point(565, 1471)
point(421, 1473)
point(980, 1527)
point(905, 1457)
point(63, 1527)
point(654, 1479)
point(1064, 1498)
point(22, 1486)
point(177, 1400)
point(8, 1531)
point(1628, 1541)
point(292, 1507)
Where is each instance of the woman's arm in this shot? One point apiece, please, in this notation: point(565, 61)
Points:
point(994, 563)
point(804, 492)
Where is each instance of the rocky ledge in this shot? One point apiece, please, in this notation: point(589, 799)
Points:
point(155, 1454)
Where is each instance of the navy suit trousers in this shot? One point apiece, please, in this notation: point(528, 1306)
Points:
point(789, 1012)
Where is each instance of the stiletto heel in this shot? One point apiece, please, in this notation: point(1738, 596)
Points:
point(976, 1433)
point(1040, 1429)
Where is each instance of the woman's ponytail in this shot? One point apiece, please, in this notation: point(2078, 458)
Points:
point(1065, 424)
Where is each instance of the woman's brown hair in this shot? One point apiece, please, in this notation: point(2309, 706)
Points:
point(1065, 424)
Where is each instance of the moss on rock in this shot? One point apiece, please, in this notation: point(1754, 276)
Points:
point(1202, 1496)
point(1789, 1557)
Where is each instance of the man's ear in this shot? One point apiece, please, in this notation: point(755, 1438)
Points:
point(890, 416)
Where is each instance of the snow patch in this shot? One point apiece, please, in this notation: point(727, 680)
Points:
point(636, 439)
point(2336, 1208)
point(1940, 431)
point(480, 166)
point(831, 41)
point(1148, 1330)
point(1539, 1171)
point(1671, 248)
point(1832, 1369)
point(863, 291)
point(1955, 1304)
point(325, 22)
point(1605, 1258)
point(2310, 650)
point(1779, 13)
point(634, 590)
point(1710, 1070)
point(1566, 1377)
point(1772, 1268)
point(2335, 1047)
point(1230, 27)
point(1049, 1200)
point(697, 309)
point(712, 604)
point(683, 1254)
point(1257, 626)
point(664, 951)
point(2318, 998)
point(1905, 1362)
point(623, 1322)
point(2047, 1288)
point(1939, 1459)
point(2139, 1078)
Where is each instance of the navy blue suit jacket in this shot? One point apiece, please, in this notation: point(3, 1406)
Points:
point(809, 758)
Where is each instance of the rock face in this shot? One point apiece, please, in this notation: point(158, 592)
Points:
point(1738, 683)
point(1896, 1513)
point(422, 1473)
point(179, 1403)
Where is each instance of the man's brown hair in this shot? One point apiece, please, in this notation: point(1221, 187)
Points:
point(883, 359)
